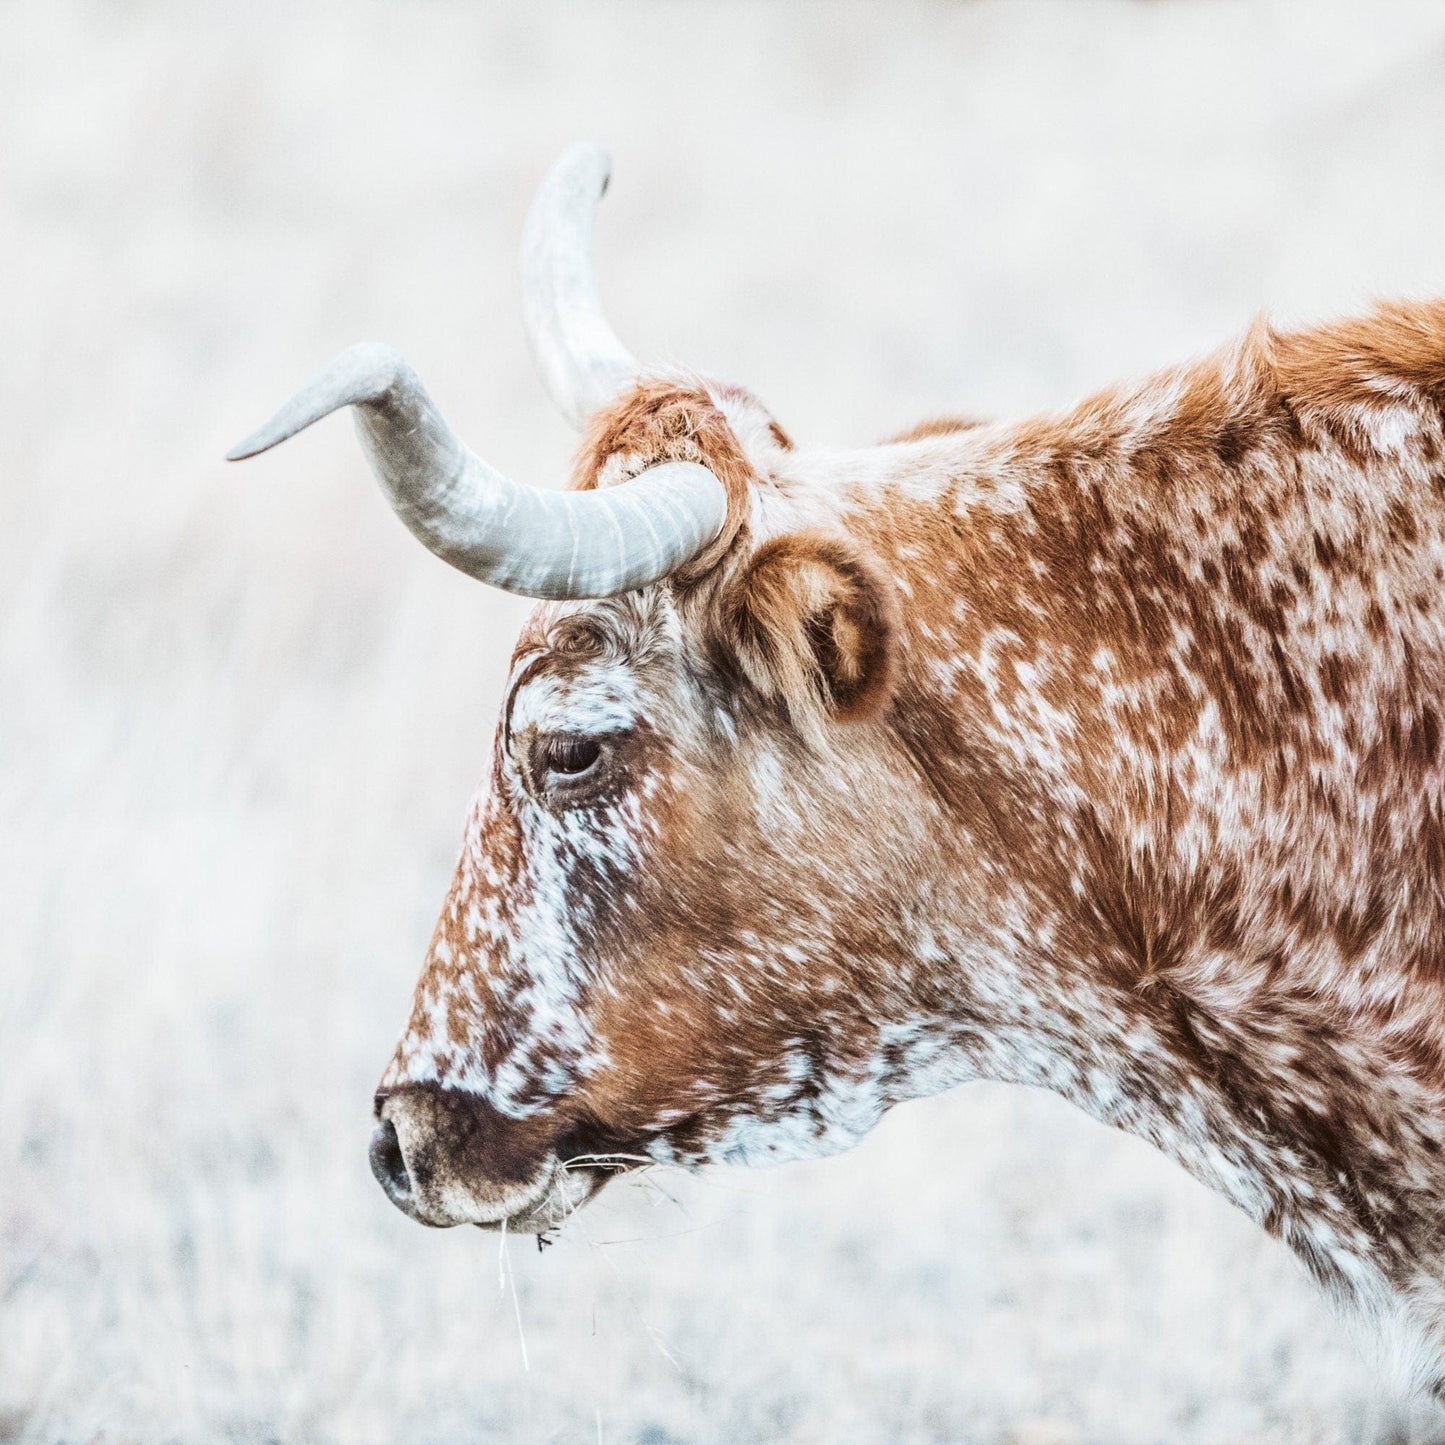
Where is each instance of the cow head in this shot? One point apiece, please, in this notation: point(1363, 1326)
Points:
point(695, 838)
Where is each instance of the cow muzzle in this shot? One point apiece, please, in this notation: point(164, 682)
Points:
point(446, 1157)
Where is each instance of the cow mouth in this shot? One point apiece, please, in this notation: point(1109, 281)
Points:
point(562, 1191)
point(571, 1182)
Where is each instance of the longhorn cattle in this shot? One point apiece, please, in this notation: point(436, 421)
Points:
point(1100, 751)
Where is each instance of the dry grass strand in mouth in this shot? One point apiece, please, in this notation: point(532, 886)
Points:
point(596, 1248)
point(642, 1176)
point(509, 1277)
point(578, 1161)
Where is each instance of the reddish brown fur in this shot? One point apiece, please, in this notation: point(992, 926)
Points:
point(663, 421)
point(937, 426)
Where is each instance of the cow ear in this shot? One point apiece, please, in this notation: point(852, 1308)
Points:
point(810, 623)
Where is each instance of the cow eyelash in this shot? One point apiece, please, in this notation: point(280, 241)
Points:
point(565, 755)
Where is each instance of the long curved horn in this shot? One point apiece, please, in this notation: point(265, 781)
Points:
point(539, 543)
point(582, 362)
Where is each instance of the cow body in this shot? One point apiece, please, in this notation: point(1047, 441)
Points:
point(1148, 810)
point(1100, 752)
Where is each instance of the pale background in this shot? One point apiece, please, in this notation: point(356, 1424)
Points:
point(241, 712)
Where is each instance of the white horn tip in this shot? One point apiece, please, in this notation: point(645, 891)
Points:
point(361, 373)
point(582, 362)
point(254, 445)
point(586, 163)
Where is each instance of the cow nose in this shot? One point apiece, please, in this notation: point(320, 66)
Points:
point(389, 1165)
point(445, 1156)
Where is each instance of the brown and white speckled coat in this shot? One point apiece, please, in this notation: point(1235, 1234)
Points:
point(1101, 752)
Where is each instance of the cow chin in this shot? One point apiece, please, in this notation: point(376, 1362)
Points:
point(564, 1191)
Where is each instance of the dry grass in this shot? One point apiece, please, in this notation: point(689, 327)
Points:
point(242, 711)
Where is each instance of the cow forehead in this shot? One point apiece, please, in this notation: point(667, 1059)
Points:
point(597, 666)
point(595, 697)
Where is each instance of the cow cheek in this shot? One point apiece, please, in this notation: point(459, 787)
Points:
point(655, 1069)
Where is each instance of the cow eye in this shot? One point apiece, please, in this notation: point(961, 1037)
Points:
point(566, 755)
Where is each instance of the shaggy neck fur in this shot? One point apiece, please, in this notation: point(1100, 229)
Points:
point(1173, 666)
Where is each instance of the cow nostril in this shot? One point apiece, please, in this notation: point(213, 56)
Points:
point(389, 1166)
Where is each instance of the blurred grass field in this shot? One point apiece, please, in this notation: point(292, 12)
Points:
point(241, 712)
